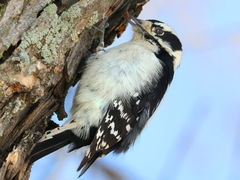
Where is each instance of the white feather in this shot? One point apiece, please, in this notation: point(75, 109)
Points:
point(119, 72)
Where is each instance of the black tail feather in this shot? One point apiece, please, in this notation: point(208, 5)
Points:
point(46, 147)
point(58, 141)
point(39, 153)
point(86, 163)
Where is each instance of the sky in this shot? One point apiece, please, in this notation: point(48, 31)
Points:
point(194, 134)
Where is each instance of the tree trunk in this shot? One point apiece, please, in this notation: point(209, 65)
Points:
point(43, 45)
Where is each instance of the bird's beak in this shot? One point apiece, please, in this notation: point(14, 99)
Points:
point(137, 23)
point(134, 21)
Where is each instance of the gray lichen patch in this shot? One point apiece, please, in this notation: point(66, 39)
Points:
point(16, 17)
point(12, 108)
point(48, 33)
point(73, 12)
point(18, 103)
point(93, 20)
point(40, 30)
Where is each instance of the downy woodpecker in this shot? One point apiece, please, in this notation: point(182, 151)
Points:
point(119, 91)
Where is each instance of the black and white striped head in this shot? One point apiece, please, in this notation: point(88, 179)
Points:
point(160, 35)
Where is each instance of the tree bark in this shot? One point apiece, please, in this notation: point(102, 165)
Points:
point(43, 46)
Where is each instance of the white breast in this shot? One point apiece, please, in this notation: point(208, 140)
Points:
point(126, 68)
point(119, 72)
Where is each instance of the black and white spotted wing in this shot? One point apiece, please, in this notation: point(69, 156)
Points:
point(116, 124)
point(124, 121)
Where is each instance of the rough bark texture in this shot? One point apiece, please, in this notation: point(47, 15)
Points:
point(43, 44)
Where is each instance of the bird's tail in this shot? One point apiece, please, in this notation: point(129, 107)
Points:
point(56, 140)
point(52, 144)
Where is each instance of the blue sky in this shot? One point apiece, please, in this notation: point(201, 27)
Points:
point(194, 134)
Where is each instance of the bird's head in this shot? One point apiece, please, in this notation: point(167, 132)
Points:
point(160, 35)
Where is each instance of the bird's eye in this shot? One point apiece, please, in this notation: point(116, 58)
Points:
point(159, 31)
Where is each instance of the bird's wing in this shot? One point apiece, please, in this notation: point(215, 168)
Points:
point(117, 122)
point(123, 121)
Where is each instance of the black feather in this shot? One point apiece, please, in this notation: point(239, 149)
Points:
point(111, 130)
point(86, 163)
point(58, 141)
point(46, 147)
point(173, 40)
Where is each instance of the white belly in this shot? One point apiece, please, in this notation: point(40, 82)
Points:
point(117, 73)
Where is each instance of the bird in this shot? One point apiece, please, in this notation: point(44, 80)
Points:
point(118, 93)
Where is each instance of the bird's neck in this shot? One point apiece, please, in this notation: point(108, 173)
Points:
point(167, 61)
point(146, 44)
